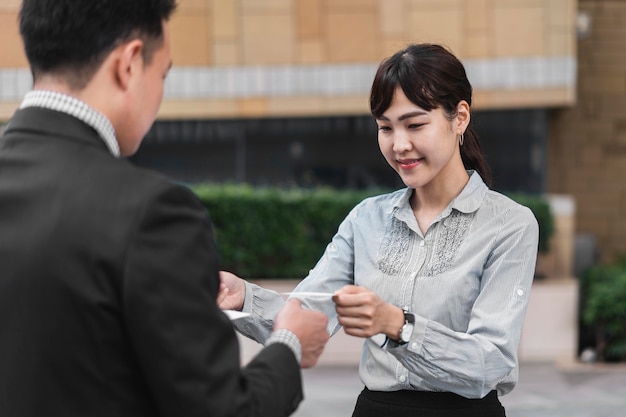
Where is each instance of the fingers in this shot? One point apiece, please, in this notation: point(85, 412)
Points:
point(347, 290)
point(312, 350)
point(232, 291)
point(293, 303)
point(354, 296)
point(222, 294)
point(308, 325)
point(359, 311)
point(229, 279)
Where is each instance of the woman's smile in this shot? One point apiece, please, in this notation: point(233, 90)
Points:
point(407, 164)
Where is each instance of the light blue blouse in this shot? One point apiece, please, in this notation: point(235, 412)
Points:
point(467, 279)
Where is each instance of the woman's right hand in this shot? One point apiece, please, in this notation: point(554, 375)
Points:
point(232, 291)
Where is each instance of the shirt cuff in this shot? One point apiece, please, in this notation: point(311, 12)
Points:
point(287, 337)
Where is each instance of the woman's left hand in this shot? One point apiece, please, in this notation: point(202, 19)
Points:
point(362, 313)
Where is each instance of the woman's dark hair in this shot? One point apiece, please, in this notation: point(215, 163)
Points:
point(72, 37)
point(431, 77)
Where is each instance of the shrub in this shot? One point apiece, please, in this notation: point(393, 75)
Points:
point(541, 209)
point(281, 233)
point(604, 309)
point(272, 232)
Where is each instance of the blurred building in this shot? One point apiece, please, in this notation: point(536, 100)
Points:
point(276, 92)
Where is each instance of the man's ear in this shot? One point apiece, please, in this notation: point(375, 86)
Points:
point(462, 116)
point(129, 62)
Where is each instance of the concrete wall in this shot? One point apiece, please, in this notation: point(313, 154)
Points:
point(587, 147)
point(241, 58)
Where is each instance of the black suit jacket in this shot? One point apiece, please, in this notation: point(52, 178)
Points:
point(108, 282)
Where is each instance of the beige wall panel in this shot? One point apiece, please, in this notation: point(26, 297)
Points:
point(561, 14)
point(283, 32)
point(353, 37)
point(438, 26)
point(225, 22)
point(390, 46)
point(338, 6)
point(226, 53)
point(435, 4)
point(254, 107)
point(319, 105)
point(519, 31)
point(347, 105)
point(266, 6)
point(11, 43)
point(312, 52)
point(10, 5)
point(7, 109)
point(562, 43)
point(296, 106)
point(192, 6)
point(477, 46)
point(477, 16)
point(309, 15)
point(268, 39)
point(393, 17)
point(518, 3)
point(190, 40)
point(193, 109)
point(503, 99)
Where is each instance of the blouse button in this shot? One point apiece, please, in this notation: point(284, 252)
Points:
point(422, 243)
point(520, 292)
point(402, 378)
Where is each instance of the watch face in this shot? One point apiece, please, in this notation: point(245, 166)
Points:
point(407, 330)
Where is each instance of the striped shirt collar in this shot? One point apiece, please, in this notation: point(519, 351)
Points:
point(76, 108)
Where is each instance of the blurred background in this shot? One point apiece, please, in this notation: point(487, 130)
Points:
point(275, 93)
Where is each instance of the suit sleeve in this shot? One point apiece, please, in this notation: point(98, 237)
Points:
point(186, 347)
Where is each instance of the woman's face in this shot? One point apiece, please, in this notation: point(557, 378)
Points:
point(421, 146)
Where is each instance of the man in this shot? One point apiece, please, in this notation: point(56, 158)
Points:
point(109, 273)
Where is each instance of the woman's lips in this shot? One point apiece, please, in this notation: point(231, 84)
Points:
point(409, 163)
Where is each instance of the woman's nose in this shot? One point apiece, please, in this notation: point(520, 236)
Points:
point(401, 142)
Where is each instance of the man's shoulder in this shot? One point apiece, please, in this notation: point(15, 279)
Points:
point(137, 179)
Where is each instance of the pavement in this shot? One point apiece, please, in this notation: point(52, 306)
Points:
point(544, 390)
point(564, 388)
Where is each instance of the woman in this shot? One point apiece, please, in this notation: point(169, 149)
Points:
point(434, 277)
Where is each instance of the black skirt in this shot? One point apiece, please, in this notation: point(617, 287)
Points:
point(425, 404)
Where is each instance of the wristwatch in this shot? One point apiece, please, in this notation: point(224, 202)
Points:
point(407, 329)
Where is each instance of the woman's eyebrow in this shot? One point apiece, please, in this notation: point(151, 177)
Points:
point(412, 114)
point(405, 116)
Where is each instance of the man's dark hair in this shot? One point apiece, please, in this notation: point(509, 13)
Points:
point(71, 38)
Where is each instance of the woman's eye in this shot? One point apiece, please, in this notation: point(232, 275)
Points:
point(415, 125)
point(384, 128)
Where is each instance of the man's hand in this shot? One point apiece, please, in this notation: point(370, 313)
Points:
point(310, 328)
point(232, 291)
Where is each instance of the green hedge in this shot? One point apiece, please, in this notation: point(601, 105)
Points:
point(281, 233)
point(604, 309)
point(541, 209)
